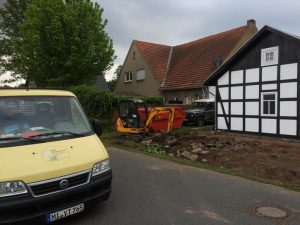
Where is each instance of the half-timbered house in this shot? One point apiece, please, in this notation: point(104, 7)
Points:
point(258, 87)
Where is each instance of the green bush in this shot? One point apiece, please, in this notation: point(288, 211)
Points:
point(100, 104)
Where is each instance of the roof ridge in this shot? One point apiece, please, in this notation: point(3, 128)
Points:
point(211, 36)
point(208, 36)
point(150, 43)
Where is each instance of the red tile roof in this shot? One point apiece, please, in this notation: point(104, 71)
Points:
point(156, 56)
point(191, 63)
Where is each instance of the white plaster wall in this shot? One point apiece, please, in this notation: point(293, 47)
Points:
point(252, 92)
point(225, 104)
point(236, 108)
point(224, 92)
point(288, 71)
point(236, 123)
point(237, 92)
point(288, 108)
point(288, 127)
point(252, 75)
point(222, 123)
point(252, 108)
point(237, 77)
point(265, 87)
point(288, 90)
point(223, 80)
point(269, 73)
point(269, 126)
point(252, 125)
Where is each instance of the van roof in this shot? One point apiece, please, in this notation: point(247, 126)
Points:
point(33, 92)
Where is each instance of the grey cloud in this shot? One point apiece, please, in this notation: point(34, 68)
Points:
point(174, 22)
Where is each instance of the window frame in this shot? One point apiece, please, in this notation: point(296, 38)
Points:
point(137, 74)
point(128, 79)
point(265, 54)
point(262, 103)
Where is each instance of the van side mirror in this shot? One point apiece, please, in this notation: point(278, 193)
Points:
point(97, 127)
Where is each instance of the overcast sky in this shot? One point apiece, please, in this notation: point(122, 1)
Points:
point(173, 22)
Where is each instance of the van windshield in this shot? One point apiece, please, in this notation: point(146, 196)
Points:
point(40, 118)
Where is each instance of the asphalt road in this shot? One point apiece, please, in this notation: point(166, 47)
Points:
point(148, 190)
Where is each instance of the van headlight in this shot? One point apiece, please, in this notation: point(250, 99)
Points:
point(12, 188)
point(101, 167)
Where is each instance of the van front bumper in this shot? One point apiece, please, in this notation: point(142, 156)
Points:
point(26, 207)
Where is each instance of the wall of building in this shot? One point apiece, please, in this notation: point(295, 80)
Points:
point(185, 96)
point(242, 89)
point(146, 87)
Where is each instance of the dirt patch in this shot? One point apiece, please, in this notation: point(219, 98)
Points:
point(274, 159)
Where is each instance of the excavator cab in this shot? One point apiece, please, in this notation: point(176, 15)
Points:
point(133, 113)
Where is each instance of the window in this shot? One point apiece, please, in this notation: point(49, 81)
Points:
point(187, 100)
point(269, 104)
point(269, 56)
point(140, 74)
point(128, 76)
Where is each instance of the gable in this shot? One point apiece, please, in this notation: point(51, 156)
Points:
point(156, 56)
point(258, 88)
point(249, 55)
point(142, 81)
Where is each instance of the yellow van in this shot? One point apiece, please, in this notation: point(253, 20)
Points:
point(52, 163)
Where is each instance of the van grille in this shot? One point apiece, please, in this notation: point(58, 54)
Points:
point(54, 185)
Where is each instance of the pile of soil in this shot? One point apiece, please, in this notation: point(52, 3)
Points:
point(271, 158)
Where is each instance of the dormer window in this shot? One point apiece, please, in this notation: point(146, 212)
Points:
point(269, 56)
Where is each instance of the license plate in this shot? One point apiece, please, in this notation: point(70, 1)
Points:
point(64, 213)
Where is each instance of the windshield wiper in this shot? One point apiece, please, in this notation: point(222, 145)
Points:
point(55, 133)
point(19, 138)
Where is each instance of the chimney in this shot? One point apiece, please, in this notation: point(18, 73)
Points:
point(251, 22)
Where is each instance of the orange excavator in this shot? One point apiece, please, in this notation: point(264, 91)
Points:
point(136, 119)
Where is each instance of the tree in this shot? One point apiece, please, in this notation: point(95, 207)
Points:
point(63, 43)
point(11, 17)
point(112, 83)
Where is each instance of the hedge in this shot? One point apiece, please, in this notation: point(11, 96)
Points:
point(100, 104)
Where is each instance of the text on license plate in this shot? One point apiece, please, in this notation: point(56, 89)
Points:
point(64, 213)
